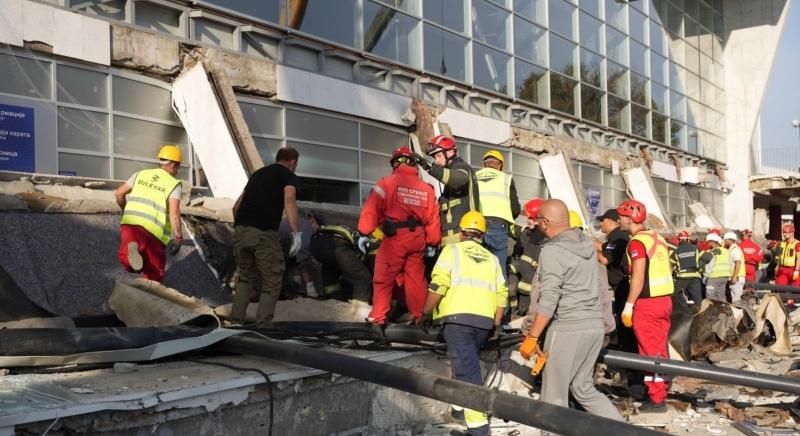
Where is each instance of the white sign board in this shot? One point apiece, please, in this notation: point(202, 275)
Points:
point(642, 190)
point(560, 183)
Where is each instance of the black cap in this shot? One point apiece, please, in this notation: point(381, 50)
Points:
point(610, 214)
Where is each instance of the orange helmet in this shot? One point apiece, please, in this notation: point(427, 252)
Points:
point(634, 210)
point(440, 143)
point(532, 207)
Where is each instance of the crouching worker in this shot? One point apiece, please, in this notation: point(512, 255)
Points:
point(468, 295)
point(568, 295)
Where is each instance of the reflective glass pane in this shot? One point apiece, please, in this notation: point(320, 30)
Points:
point(676, 50)
point(263, 120)
point(658, 41)
point(678, 135)
point(531, 82)
point(658, 98)
point(410, 6)
point(674, 20)
point(639, 121)
point(23, 76)
point(321, 161)
point(315, 17)
point(618, 113)
point(591, 6)
point(534, 10)
point(390, 34)
point(445, 52)
point(562, 93)
point(82, 130)
point(693, 112)
point(638, 89)
point(658, 68)
point(591, 33)
point(114, 9)
point(267, 10)
point(374, 166)
point(314, 127)
point(526, 165)
point(490, 68)
point(158, 18)
point(562, 55)
point(213, 33)
point(530, 41)
point(690, 7)
point(616, 14)
point(83, 165)
point(591, 68)
point(383, 140)
point(528, 188)
point(489, 24)
point(591, 104)
point(638, 24)
point(143, 138)
point(267, 148)
point(561, 18)
point(692, 85)
point(692, 59)
point(617, 81)
point(677, 78)
point(260, 46)
point(141, 98)
point(638, 58)
point(690, 31)
point(659, 127)
point(78, 86)
point(616, 46)
point(448, 13)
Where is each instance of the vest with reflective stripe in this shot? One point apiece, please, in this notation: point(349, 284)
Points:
point(494, 188)
point(686, 256)
point(741, 259)
point(788, 254)
point(659, 271)
point(722, 264)
point(147, 204)
point(341, 231)
point(469, 273)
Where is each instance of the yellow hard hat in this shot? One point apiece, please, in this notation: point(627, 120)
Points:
point(473, 220)
point(575, 220)
point(170, 152)
point(494, 154)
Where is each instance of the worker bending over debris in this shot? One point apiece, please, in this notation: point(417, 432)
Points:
point(335, 248)
point(568, 295)
point(405, 208)
point(151, 214)
point(468, 295)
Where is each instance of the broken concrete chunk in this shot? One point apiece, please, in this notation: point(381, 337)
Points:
point(124, 367)
point(82, 390)
point(722, 395)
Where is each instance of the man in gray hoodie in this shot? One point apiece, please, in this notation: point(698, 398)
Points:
point(568, 295)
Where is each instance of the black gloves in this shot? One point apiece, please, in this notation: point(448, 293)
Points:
point(422, 161)
point(427, 320)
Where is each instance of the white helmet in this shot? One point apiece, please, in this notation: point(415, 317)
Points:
point(731, 236)
point(714, 237)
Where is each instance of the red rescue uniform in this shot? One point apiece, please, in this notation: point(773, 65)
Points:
point(753, 255)
point(405, 199)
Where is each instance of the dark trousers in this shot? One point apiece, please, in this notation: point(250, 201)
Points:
point(692, 288)
point(463, 345)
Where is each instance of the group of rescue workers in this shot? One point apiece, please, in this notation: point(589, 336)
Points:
point(450, 259)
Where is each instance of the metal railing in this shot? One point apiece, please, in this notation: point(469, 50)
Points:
point(775, 161)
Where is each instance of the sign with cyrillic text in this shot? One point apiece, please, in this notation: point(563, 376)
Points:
point(17, 142)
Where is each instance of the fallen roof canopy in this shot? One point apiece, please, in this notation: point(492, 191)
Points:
point(501, 404)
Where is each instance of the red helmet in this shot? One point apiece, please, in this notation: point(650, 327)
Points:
point(788, 228)
point(717, 232)
point(673, 240)
point(634, 210)
point(532, 207)
point(440, 143)
point(703, 245)
point(404, 155)
point(683, 234)
point(747, 233)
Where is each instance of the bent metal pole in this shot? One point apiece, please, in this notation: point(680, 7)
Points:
point(500, 404)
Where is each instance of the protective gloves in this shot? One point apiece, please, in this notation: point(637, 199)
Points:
point(427, 320)
point(528, 347)
point(422, 161)
point(430, 251)
point(297, 241)
point(627, 315)
point(362, 244)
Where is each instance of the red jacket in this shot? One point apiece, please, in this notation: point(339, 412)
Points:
point(400, 196)
point(753, 254)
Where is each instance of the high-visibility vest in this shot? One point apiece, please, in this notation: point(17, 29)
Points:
point(494, 191)
point(659, 271)
point(340, 231)
point(471, 280)
point(741, 265)
point(147, 204)
point(722, 264)
point(686, 258)
point(788, 254)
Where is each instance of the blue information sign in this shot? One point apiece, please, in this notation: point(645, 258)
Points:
point(593, 201)
point(17, 142)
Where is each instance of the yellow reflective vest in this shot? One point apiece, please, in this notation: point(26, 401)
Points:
point(494, 192)
point(659, 269)
point(722, 264)
point(788, 255)
point(470, 279)
point(147, 205)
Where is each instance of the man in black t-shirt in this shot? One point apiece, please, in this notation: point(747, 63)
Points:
point(257, 216)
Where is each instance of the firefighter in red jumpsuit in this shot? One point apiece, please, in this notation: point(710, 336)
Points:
point(753, 255)
point(405, 208)
point(788, 272)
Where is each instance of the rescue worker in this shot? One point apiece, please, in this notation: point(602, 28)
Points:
point(685, 261)
point(468, 295)
point(526, 257)
point(498, 204)
point(151, 215)
point(649, 305)
point(405, 208)
point(335, 248)
point(569, 297)
point(753, 257)
point(716, 262)
point(736, 279)
point(460, 193)
point(788, 272)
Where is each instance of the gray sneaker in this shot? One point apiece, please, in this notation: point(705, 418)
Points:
point(134, 257)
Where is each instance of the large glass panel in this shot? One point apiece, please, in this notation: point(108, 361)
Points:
point(83, 166)
point(638, 58)
point(674, 20)
point(678, 135)
point(677, 78)
point(617, 79)
point(525, 165)
point(381, 140)
point(410, 6)
point(591, 104)
point(562, 93)
point(78, 86)
point(639, 121)
point(23, 76)
point(659, 127)
point(638, 88)
point(159, 18)
point(114, 9)
point(141, 98)
point(390, 34)
point(618, 113)
point(267, 10)
point(692, 59)
point(616, 46)
point(534, 10)
point(658, 68)
point(562, 55)
point(591, 68)
point(638, 26)
point(530, 41)
point(690, 32)
point(616, 14)
point(561, 18)
point(267, 148)
point(263, 120)
point(314, 127)
point(374, 166)
point(490, 68)
point(591, 33)
point(82, 130)
point(448, 13)
point(531, 82)
point(260, 46)
point(143, 138)
point(658, 98)
point(321, 161)
point(528, 188)
point(213, 33)
point(445, 52)
point(692, 85)
point(658, 40)
point(591, 6)
point(693, 112)
point(676, 50)
point(316, 16)
point(489, 24)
